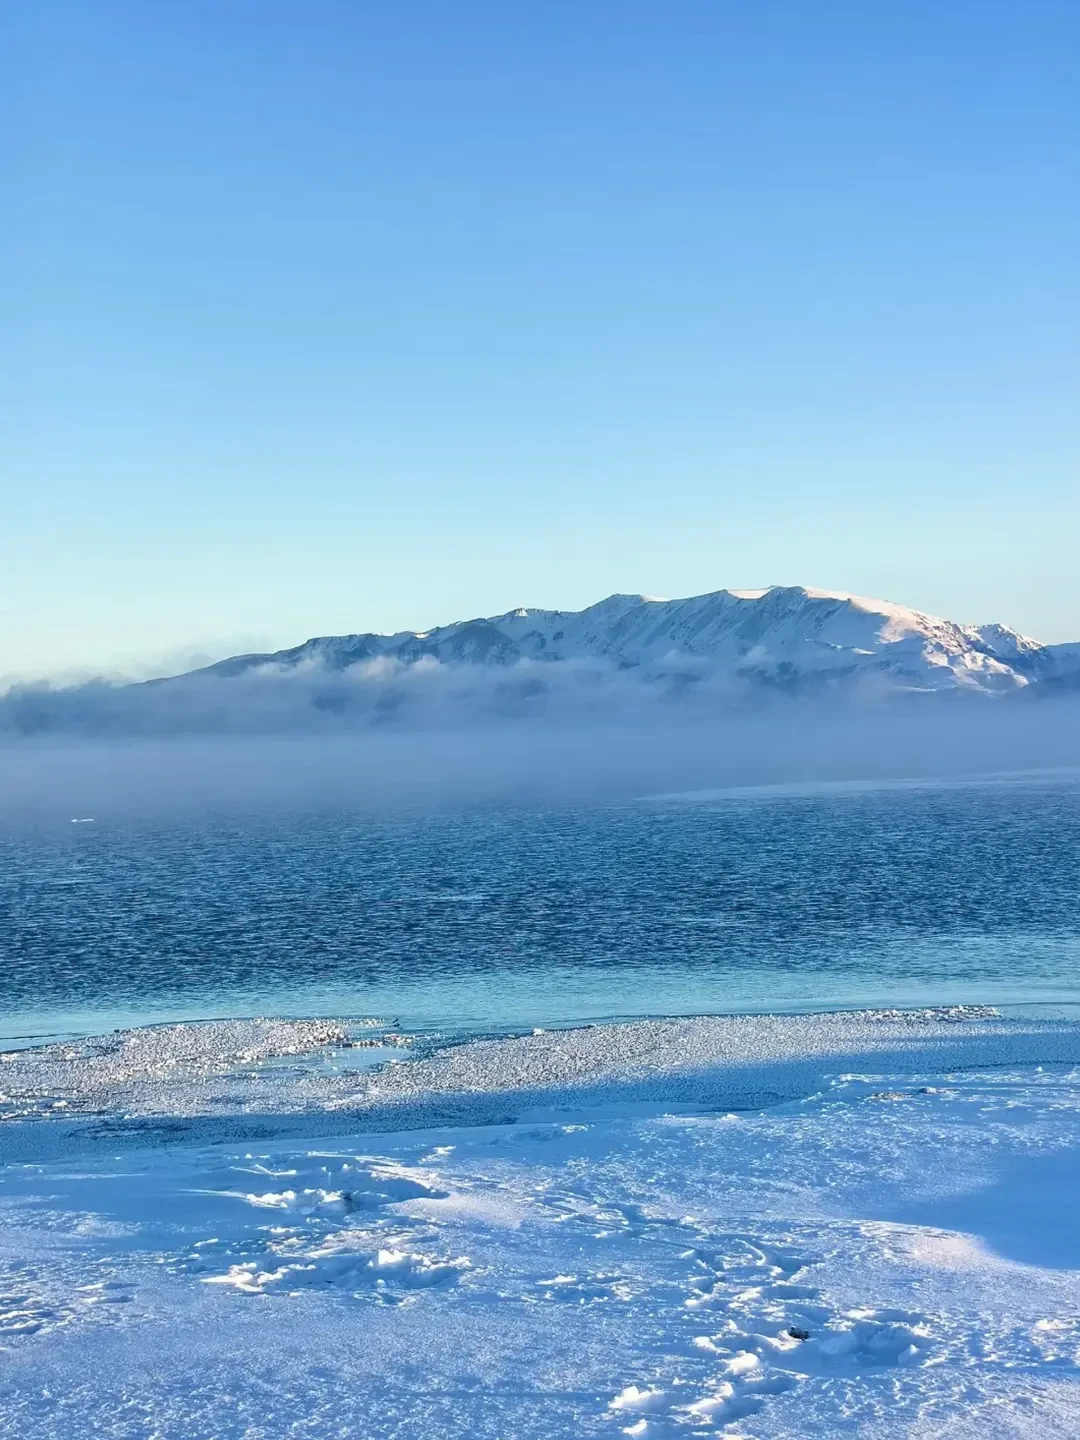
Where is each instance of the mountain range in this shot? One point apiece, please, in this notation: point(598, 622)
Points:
point(782, 637)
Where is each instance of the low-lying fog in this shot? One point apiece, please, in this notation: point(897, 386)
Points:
point(561, 757)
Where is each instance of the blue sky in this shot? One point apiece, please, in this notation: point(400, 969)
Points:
point(337, 316)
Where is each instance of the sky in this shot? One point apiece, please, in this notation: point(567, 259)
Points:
point(324, 317)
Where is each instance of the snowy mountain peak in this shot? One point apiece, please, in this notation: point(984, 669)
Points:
point(783, 636)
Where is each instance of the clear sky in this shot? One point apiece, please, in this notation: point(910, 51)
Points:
point(323, 315)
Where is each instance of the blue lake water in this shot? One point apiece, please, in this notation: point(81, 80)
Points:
point(504, 917)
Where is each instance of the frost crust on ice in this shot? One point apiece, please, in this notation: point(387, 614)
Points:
point(735, 1061)
point(232, 1068)
point(190, 1068)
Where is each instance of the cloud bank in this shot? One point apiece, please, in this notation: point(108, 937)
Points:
point(385, 694)
point(383, 734)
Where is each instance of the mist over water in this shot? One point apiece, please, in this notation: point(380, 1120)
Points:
point(61, 777)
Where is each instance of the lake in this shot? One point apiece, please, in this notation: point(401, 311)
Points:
point(496, 918)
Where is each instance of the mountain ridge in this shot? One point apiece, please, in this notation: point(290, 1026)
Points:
point(777, 635)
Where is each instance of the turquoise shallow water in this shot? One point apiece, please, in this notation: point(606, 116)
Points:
point(508, 917)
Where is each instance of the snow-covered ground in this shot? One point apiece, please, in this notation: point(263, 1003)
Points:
point(774, 1227)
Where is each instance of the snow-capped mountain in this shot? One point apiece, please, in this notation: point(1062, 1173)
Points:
point(784, 636)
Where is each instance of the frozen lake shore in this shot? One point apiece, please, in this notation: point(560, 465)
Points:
point(758, 1226)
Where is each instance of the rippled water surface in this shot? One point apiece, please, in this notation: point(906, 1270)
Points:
point(502, 917)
